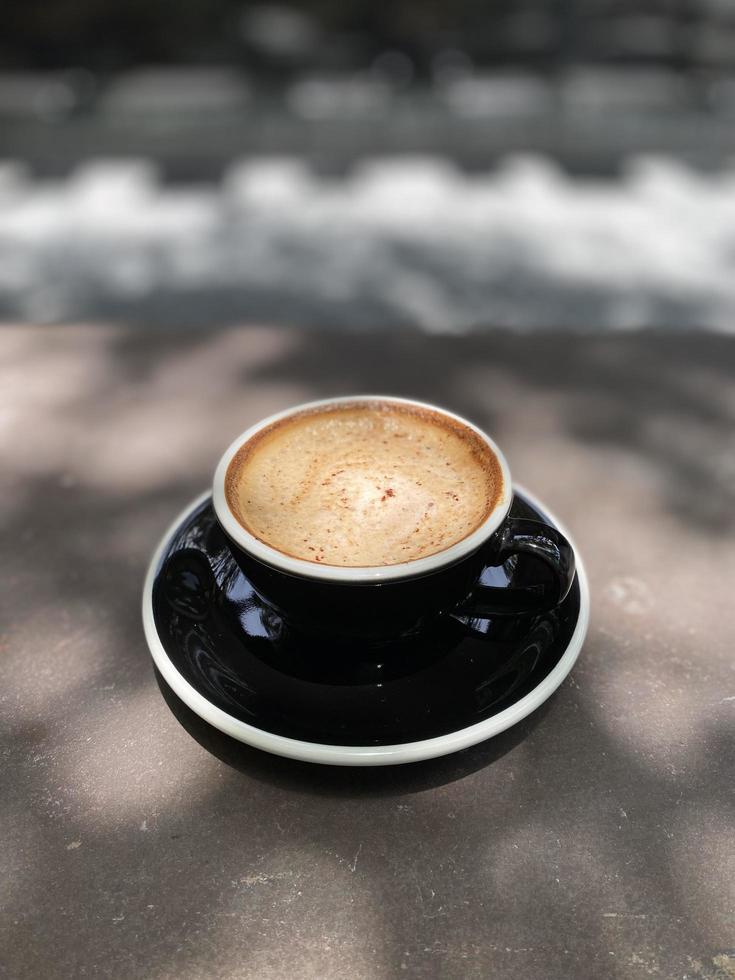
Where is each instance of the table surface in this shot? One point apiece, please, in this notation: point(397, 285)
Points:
point(593, 840)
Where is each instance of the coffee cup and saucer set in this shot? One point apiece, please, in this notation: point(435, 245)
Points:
point(364, 586)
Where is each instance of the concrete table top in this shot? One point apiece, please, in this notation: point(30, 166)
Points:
point(593, 840)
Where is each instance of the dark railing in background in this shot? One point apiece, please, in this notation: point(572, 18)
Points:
point(587, 82)
point(403, 36)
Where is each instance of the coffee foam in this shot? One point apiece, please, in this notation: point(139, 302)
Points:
point(363, 483)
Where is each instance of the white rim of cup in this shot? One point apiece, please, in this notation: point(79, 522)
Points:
point(367, 573)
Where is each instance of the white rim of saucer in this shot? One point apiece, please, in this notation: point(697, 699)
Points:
point(359, 573)
point(359, 755)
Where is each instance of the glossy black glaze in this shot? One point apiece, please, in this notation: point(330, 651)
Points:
point(246, 658)
point(541, 560)
point(533, 588)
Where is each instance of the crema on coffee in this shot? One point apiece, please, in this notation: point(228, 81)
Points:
point(363, 483)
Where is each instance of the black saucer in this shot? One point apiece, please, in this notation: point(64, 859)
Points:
point(235, 661)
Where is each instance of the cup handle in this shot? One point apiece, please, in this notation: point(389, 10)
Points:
point(519, 536)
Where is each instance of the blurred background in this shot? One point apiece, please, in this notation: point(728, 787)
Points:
point(520, 163)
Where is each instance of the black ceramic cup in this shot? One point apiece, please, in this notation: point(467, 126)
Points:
point(379, 603)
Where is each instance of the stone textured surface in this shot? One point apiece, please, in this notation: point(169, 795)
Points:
point(596, 839)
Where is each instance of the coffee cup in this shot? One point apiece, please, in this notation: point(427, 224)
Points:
point(345, 462)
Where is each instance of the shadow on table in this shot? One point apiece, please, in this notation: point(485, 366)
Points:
point(351, 781)
point(659, 397)
point(623, 831)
